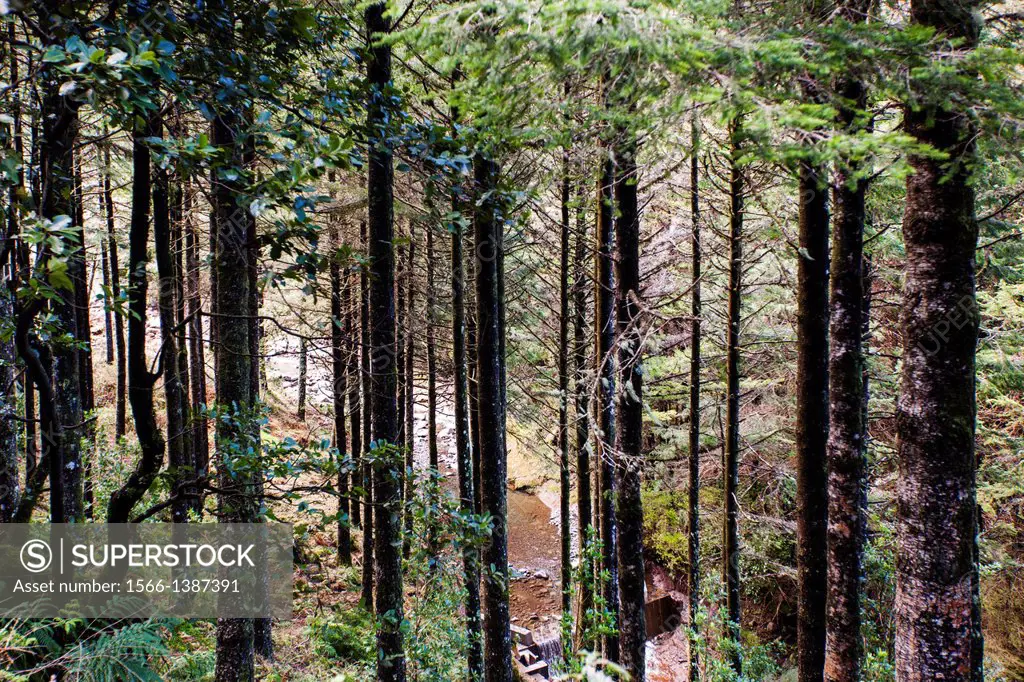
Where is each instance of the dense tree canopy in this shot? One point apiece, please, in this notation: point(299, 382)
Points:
point(654, 340)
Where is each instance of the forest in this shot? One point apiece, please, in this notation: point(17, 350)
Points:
point(590, 340)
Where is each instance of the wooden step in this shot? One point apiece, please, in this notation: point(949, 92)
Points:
point(538, 668)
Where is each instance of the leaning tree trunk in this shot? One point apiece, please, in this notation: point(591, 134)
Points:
point(847, 448)
point(140, 380)
point(936, 574)
point(693, 524)
point(464, 459)
point(494, 475)
point(387, 473)
point(605, 358)
point(731, 540)
point(812, 420)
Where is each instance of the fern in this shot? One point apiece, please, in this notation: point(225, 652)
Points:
point(125, 654)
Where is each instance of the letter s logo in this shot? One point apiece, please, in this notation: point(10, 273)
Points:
point(36, 556)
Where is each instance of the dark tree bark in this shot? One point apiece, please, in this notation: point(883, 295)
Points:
point(431, 321)
point(847, 455)
point(10, 269)
point(606, 369)
point(812, 420)
point(233, 349)
point(731, 540)
point(303, 358)
point(936, 572)
point(115, 289)
point(78, 271)
point(341, 334)
point(387, 473)
point(263, 642)
point(629, 508)
point(108, 321)
point(564, 313)
point(409, 395)
point(140, 380)
point(179, 436)
point(367, 469)
point(235, 636)
point(470, 555)
point(474, 384)
point(354, 411)
point(489, 229)
point(197, 356)
point(584, 489)
point(10, 492)
point(696, 312)
point(60, 128)
point(60, 409)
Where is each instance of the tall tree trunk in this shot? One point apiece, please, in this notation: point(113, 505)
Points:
point(387, 473)
point(565, 534)
point(936, 570)
point(847, 454)
point(341, 334)
point(140, 380)
point(179, 437)
point(197, 356)
point(464, 459)
point(78, 272)
point(812, 420)
point(474, 380)
point(367, 469)
point(263, 642)
point(10, 492)
point(108, 321)
point(731, 540)
point(693, 506)
point(60, 128)
point(120, 417)
point(355, 413)
point(488, 225)
point(629, 507)
point(409, 395)
point(233, 346)
point(303, 358)
point(584, 489)
point(432, 452)
point(606, 366)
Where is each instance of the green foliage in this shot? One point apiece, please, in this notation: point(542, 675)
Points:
point(710, 641)
point(89, 651)
point(347, 635)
